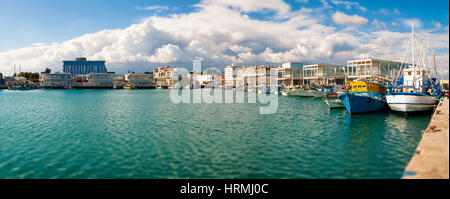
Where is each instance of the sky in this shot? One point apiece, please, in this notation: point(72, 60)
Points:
point(143, 34)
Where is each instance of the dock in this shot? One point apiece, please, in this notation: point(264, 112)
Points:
point(430, 161)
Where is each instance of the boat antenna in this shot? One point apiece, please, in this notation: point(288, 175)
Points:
point(413, 57)
point(435, 67)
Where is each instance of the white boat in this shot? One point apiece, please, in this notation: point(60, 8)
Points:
point(292, 92)
point(315, 93)
point(416, 91)
point(303, 93)
point(411, 102)
point(334, 103)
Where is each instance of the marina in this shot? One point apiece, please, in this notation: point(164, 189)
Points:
point(141, 134)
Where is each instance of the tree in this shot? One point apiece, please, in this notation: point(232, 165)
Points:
point(48, 70)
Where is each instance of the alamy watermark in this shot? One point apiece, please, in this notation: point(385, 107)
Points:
point(260, 85)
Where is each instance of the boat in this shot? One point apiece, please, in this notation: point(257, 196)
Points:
point(364, 96)
point(291, 92)
point(334, 103)
point(315, 93)
point(414, 90)
point(20, 84)
point(303, 93)
point(128, 86)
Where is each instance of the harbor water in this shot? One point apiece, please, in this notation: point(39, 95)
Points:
point(128, 134)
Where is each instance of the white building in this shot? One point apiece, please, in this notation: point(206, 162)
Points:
point(375, 68)
point(55, 80)
point(101, 80)
point(140, 80)
point(230, 76)
point(197, 66)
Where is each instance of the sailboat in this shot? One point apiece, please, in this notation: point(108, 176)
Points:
point(415, 91)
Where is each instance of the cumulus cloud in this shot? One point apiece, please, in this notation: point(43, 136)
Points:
point(157, 8)
point(344, 19)
point(349, 4)
point(416, 22)
point(237, 38)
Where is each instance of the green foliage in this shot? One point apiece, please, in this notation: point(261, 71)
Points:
point(29, 75)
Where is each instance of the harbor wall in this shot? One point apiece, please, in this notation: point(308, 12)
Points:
point(430, 160)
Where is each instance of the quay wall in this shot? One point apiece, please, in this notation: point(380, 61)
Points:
point(430, 161)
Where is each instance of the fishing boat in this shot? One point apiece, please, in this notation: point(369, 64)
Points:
point(364, 96)
point(331, 94)
point(291, 92)
point(128, 86)
point(19, 84)
point(414, 90)
point(334, 103)
point(315, 93)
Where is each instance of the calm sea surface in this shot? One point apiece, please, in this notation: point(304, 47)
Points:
point(142, 134)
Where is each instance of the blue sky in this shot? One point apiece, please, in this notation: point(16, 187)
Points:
point(24, 22)
point(145, 34)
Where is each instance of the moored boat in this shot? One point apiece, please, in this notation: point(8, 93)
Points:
point(364, 96)
point(415, 90)
point(334, 103)
point(19, 85)
point(411, 102)
point(128, 86)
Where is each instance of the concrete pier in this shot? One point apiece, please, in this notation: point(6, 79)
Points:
point(430, 160)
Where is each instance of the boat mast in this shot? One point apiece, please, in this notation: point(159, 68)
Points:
point(413, 57)
point(435, 68)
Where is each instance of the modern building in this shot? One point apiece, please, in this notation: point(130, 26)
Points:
point(197, 66)
point(252, 77)
point(167, 76)
point(373, 68)
point(321, 74)
point(101, 80)
point(140, 80)
point(81, 66)
point(290, 74)
point(2, 81)
point(55, 80)
point(230, 74)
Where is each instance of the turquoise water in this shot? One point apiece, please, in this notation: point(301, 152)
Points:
point(141, 134)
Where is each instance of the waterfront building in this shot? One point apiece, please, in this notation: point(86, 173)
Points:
point(230, 76)
point(55, 80)
point(321, 74)
point(167, 76)
point(140, 80)
point(2, 81)
point(290, 74)
point(372, 68)
point(197, 66)
point(102, 80)
point(83, 66)
point(250, 76)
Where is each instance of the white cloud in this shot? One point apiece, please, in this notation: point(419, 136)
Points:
point(436, 25)
point(238, 48)
point(166, 54)
point(252, 5)
point(349, 4)
point(236, 38)
point(379, 24)
point(408, 22)
point(396, 11)
point(157, 8)
point(343, 19)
